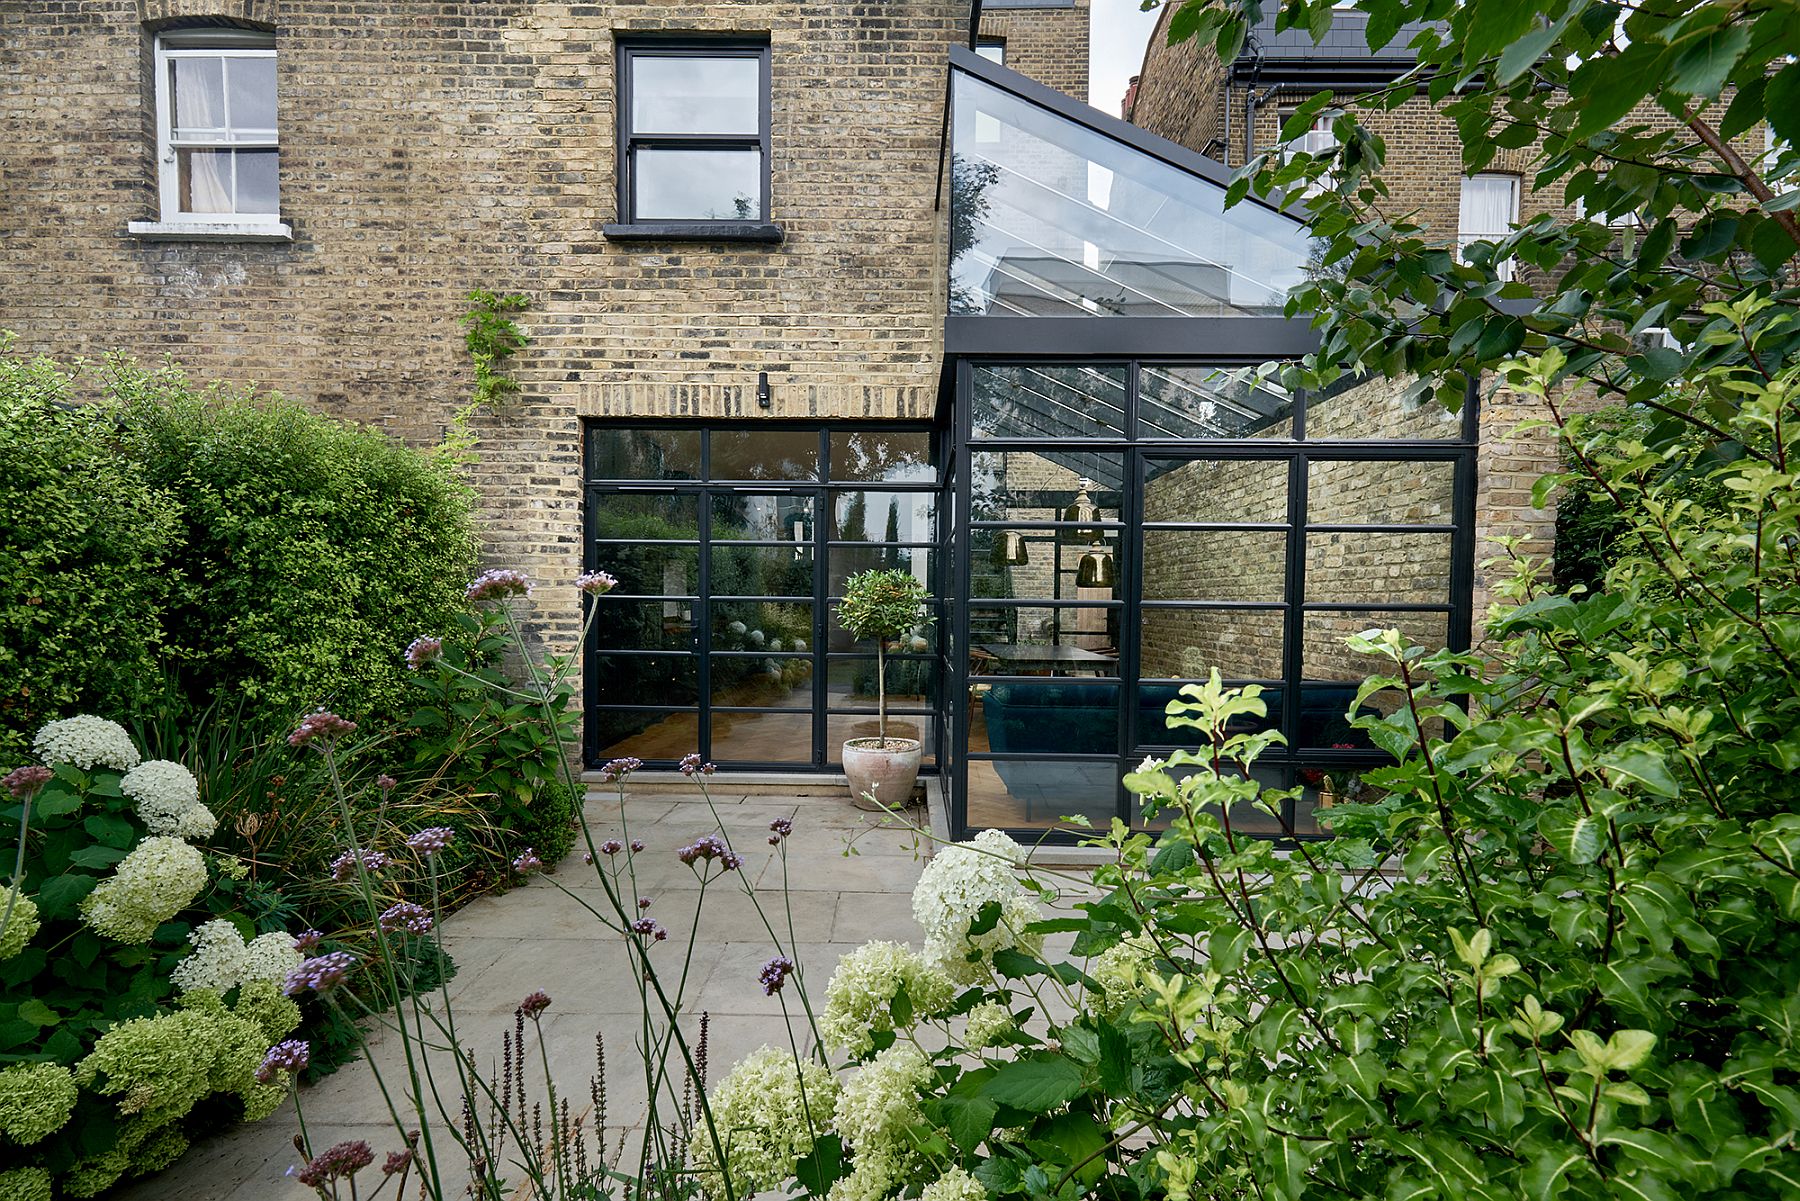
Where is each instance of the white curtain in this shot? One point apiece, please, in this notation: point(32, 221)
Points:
point(198, 84)
point(1490, 208)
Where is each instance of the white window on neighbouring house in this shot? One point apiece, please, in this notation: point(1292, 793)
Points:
point(992, 49)
point(1315, 141)
point(1490, 209)
point(217, 138)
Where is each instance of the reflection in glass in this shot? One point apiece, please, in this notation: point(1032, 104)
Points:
point(696, 94)
point(1049, 564)
point(873, 456)
point(771, 681)
point(1054, 219)
point(1327, 658)
point(1044, 400)
point(765, 454)
point(644, 734)
point(1380, 492)
point(1379, 407)
point(911, 683)
point(643, 454)
point(652, 569)
point(762, 737)
point(1216, 490)
point(1043, 640)
point(645, 680)
point(762, 518)
point(1064, 717)
point(883, 516)
point(1210, 402)
point(1214, 565)
point(1187, 644)
point(1358, 567)
point(847, 560)
point(697, 185)
point(765, 627)
point(251, 83)
point(635, 625)
point(1022, 485)
point(1020, 794)
point(922, 640)
point(761, 570)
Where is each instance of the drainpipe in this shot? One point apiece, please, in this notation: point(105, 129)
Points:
point(1252, 102)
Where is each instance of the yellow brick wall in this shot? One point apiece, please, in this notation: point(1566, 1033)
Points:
point(1048, 44)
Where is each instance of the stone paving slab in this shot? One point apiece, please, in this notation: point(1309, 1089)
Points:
point(540, 937)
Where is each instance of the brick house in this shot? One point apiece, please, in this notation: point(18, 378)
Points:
point(792, 317)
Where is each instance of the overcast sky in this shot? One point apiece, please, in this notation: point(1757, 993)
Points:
point(1118, 35)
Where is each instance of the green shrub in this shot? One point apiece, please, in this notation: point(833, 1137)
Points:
point(87, 545)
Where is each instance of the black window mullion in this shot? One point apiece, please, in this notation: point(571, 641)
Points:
point(1294, 637)
point(703, 627)
point(822, 516)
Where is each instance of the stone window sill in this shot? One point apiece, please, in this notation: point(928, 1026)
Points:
point(693, 231)
point(211, 231)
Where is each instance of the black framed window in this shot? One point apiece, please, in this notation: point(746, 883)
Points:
point(694, 140)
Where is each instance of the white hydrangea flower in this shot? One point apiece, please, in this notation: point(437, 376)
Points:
point(151, 885)
point(168, 799)
point(873, 1111)
point(767, 1111)
point(953, 889)
point(87, 742)
point(217, 961)
point(989, 1024)
point(1117, 970)
point(270, 957)
point(954, 1185)
point(859, 999)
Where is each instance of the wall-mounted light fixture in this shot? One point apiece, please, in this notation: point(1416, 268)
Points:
point(762, 389)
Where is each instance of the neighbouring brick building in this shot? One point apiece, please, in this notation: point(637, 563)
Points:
point(790, 319)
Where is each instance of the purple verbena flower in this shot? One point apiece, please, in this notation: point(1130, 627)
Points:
point(323, 725)
point(320, 974)
point(406, 916)
point(307, 941)
point(692, 765)
point(337, 1162)
point(775, 973)
point(781, 827)
point(344, 866)
point(587, 857)
point(24, 782)
point(498, 584)
point(290, 1056)
point(710, 846)
point(535, 1004)
point(386, 782)
point(643, 902)
point(637, 844)
point(431, 840)
point(651, 927)
point(611, 846)
point(616, 770)
point(423, 651)
point(596, 583)
point(397, 1162)
point(528, 862)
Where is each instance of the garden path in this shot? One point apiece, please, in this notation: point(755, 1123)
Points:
point(538, 937)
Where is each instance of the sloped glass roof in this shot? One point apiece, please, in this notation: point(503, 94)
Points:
point(1059, 213)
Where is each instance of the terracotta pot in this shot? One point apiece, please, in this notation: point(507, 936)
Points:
point(888, 770)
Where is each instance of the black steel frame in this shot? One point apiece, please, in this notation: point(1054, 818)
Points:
point(701, 651)
point(1295, 451)
point(628, 51)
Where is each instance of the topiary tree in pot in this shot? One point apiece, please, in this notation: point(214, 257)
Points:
point(883, 605)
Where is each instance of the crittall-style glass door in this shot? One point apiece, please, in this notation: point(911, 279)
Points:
point(731, 544)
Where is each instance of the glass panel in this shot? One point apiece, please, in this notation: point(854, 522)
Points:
point(842, 727)
point(198, 85)
point(645, 680)
point(1015, 794)
point(765, 626)
point(252, 92)
point(1216, 490)
point(643, 734)
point(911, 683)
point(1333, 671)
point(632, 625)
point(1153, 727)
point(876, 455)
point(1049, 401)
point(257, 186)
point(697, 185)
point(1378, 408)
point(774, 681)
point(759, 517)
point(1210, 402)
point(1024, 485)
point(1067, 717)
point(846, 561)
point(1045, 564)
point(1380, 492)
point(651, 569)
point(1215, 565)
point(765, 454)
point(1050, 218)
point(643, 454)
point(696, 94)
point(762, 570)
point(1186, 644)
point(1365, 568)
point(883, 517)
point(640, 515)
point(762, 737)
point(1043, 640)
point(203, 180)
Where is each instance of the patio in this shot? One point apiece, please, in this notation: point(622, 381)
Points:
point(537, 937)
